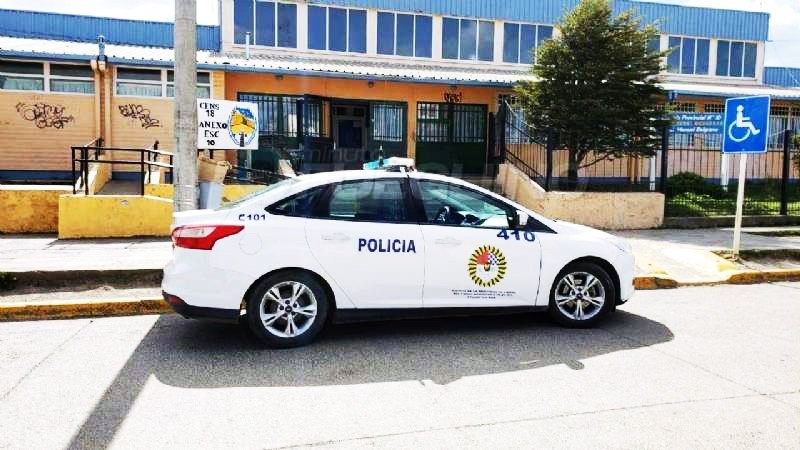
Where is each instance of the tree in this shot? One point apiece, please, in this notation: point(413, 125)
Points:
point(597, 87)
point(796, 145)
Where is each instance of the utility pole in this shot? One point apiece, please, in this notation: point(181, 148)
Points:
point(185, 182)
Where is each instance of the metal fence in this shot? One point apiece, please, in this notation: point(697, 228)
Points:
point(697, 179)
point(772, 181)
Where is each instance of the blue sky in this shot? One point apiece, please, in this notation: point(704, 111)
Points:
point(783, 49)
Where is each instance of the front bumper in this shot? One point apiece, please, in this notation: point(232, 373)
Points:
point(626, 269)
point(201, 312)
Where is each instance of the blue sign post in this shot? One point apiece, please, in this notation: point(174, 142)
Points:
point(746, 130)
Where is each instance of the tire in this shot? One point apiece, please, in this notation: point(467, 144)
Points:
point(270, 318)
point(581, 309)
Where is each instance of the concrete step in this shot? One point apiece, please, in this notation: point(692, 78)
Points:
point(121, 187)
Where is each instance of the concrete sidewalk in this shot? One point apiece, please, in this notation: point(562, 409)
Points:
point(46, 253)
point(688, 256)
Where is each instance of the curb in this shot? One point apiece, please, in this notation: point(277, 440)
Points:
point(651, 282)
point(132, 307)
point(755, 276)
point(66, 278)
point(77, 309)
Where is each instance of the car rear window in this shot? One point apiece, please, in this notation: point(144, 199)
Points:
point(281, 184)
point(298, 204)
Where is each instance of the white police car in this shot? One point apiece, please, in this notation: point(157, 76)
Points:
point(350, 245)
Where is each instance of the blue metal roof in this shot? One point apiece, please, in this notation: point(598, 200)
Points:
point(68, 27)
point(674, 19)
point(782, 76)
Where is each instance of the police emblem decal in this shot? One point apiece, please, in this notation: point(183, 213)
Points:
point(487, 266)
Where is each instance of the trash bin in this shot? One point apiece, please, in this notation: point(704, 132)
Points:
point(210, 194)
point(211, 173)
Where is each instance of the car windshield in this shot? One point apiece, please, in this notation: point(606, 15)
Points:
point(256, 193)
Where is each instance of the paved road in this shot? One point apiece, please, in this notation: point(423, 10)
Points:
point(713, 367)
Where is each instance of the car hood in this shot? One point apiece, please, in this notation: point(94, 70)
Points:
point(589, 232)
point(574, 228)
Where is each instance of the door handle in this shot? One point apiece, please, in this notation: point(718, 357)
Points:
point(341, 237)
point(447, 241)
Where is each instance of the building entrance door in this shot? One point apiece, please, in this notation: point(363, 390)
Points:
point(451, 138)
point(349, 134)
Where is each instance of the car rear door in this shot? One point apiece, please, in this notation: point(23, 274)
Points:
point(365, 236)
point(473, 257)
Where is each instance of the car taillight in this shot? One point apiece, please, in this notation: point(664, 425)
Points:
point(202, 237)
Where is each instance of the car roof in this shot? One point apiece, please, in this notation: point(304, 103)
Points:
point(344, 175)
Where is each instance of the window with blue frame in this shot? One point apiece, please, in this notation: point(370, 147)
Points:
point(269, 23)
point(337, 29)
point(520, 41)
point(467, 39)
point(689, 55)
point(405, 34)
point(242, 20)
point(736, 59)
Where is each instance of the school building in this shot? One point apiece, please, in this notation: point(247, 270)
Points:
point(336, 81)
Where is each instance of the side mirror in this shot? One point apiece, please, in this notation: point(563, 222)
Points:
point(522, 220)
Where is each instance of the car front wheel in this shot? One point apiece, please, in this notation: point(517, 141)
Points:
point(582, 294)
point(287, 309)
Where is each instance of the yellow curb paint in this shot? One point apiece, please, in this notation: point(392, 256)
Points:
point(755, 276)
point(646, 283)
point(723, 265)
point(72, 309)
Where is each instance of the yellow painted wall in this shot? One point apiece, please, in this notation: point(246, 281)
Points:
point(411, 93)
point(113, 216)
point(230, 192)
point(37, 134)
point(30, 209)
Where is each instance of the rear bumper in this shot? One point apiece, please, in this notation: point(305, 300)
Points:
point(201, 312)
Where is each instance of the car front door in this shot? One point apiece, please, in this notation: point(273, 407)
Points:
point(364, 235)
point(474, 257)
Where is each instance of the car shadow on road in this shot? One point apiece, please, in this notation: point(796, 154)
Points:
point(194, 354)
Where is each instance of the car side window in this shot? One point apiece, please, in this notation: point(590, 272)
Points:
point(367, 200)
point(449, 204)
point(298, 205)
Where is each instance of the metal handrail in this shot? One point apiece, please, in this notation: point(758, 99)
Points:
point(268, 176)
point(150, 160)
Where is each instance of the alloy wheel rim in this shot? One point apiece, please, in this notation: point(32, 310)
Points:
point(580, 295)
point(288, 309)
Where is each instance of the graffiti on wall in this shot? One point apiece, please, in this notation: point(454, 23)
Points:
point(44, 115)
point(140, 113)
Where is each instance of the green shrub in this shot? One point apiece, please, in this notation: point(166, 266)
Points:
point(7, 281)
point(796, 145)
point(692, 183)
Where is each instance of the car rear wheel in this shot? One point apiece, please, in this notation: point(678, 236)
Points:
point(287, 309)
point(582, 294)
